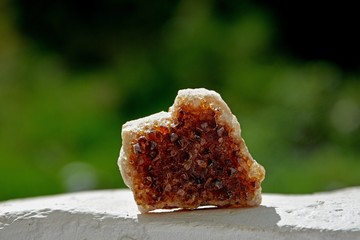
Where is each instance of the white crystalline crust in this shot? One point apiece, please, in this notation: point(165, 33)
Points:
point(192, 97)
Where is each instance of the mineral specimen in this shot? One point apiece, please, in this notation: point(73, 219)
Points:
point(188, 157)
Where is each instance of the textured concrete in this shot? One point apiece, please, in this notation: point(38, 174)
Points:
point(114, 215)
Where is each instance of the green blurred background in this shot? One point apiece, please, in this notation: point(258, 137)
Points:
point(72, 72)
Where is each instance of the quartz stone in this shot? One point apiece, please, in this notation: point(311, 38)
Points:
point(191, 156)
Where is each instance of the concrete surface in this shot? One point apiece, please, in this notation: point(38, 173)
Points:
point(113, 214)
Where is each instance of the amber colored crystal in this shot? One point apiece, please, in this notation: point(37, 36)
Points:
point(193, 162)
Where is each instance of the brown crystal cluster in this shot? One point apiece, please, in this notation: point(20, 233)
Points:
point(192, 161)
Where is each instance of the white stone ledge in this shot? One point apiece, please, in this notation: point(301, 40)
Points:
point(114, 215)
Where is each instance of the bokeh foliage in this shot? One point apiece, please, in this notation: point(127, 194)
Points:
point(70, 77)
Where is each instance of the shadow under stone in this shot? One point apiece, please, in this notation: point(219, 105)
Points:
point(261, 217)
